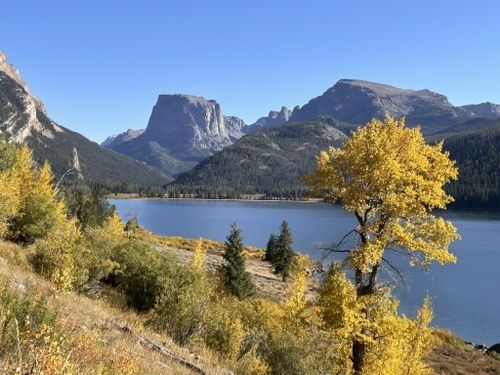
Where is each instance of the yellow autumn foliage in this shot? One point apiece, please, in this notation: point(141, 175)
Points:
point(391, 180)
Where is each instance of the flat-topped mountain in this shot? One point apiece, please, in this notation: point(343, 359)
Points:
point(357, 102)
point(182, 130)
point(23, 119)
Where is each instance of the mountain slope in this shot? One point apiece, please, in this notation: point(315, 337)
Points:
point(182, 131)
point(24, 119)
point(268, 162)
point(468, 126)
point(357, 102)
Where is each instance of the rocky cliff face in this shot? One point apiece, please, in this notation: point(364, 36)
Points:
point(356, 102)
point(21, 114)
point(182, 131)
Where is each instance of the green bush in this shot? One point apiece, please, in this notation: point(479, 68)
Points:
point(141, 273)
point(184, 303)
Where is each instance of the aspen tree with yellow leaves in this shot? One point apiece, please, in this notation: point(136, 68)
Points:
point(9, 187)
point(391, 180)
point(39, 210)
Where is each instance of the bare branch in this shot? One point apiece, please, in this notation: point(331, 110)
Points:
point(395, 269)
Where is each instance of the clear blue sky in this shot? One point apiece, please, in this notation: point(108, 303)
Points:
point(99, 65)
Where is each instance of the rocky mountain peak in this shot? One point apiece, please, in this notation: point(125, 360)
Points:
point(21, 114)
point(193, 121)
point(11, 71)
point(272, 119)
point(354, 102)
point(116, 139)
point(486, 109)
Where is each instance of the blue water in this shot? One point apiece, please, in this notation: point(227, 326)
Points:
point(466, 295)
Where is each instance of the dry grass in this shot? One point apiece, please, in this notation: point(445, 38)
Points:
point(96, 324)
point(454, 357)
point(267, 283)
point(174, 242)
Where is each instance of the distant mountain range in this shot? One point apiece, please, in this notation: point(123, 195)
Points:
point(211, 154)
point(23, 118)
point(183, 130)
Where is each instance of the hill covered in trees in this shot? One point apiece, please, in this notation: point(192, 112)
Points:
point(269, 162)
point(478, 159)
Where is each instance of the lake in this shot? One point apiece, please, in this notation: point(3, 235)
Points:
point(466, 295)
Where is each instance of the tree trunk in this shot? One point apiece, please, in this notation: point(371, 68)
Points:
point(363, 288)
point(358, 356)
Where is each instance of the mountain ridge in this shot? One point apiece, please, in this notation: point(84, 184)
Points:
point(23, 118)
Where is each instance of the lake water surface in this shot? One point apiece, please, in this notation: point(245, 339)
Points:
point(466, 295)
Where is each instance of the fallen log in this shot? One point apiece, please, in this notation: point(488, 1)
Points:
point(163, 350)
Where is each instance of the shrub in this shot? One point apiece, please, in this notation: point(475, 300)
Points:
point(61, 257)
point(184, 303)
point(28, 333)
point(141, 273)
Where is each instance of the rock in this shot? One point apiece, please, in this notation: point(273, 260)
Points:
point(114, 140)
point(494, 349)
point(481, 347)
point(272, 119)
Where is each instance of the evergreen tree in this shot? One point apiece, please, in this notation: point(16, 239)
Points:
point(271, 248)
point(236, 279)
point(283, 254)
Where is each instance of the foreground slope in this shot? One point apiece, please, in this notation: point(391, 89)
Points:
point(23, 119)
point(269, 162)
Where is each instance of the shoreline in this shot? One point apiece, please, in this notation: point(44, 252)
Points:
point(311, 200)
point(278, 200)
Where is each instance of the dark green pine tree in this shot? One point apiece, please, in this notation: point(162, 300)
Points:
point(237, 280)
point(271, 248)
point(283, 254)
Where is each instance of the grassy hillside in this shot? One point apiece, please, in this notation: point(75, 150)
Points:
point(109, 335)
